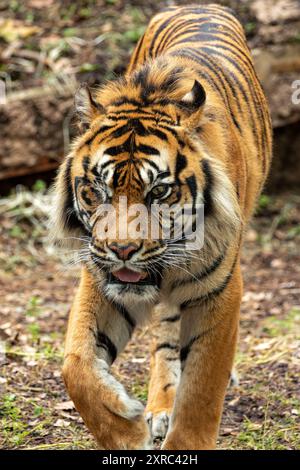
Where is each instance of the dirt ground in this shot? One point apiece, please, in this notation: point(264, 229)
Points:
point(37, 286)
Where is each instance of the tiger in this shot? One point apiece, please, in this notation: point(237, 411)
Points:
point(186, 124)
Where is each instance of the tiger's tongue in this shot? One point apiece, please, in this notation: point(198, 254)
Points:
point(126, 275)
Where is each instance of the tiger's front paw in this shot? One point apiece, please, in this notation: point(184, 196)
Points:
point(114, 418)
point(113, 432)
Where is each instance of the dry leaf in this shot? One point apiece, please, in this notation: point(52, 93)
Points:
point(61, 423)
point(234, 402)
point(263, 346)
point(65, 405)
point(276, 11)
point(11, 30)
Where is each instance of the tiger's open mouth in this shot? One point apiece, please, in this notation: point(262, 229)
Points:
point(129, 277)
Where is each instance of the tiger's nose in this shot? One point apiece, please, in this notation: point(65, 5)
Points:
point(123, 251)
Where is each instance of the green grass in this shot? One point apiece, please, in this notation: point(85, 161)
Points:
point(38, 410)
point(140, 391)
point(264, 202)
point(17, 232)
point(46, 352)
point(39, 186)
point(34, 330)
point(33, 309)
point(15, 418)
point(13, 428)
point(269, 435)
point(86, 67)
point(290, 323)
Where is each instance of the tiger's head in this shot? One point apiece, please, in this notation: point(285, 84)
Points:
point(140, 146)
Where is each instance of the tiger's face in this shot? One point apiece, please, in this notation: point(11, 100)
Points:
point(136, 159)
point(131, 171)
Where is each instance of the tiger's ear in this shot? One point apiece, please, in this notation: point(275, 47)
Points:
point(86, 107)
point(192, 102)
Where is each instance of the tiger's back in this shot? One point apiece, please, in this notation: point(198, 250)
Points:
point(210, 41)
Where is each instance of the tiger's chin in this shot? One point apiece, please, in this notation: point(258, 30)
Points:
point(129, 294)
point(144, 290)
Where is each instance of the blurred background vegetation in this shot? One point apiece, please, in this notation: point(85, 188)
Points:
point(47, 47)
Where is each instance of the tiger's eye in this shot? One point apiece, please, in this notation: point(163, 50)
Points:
point(160, 190)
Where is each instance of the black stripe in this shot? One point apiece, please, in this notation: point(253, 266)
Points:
point(208, 31)
point(174, 347)
point(120, 131)
point(158, 133)
point(229, 15)
point(104, 165)
point(117, 149)
point(184, 352)
point(137, 51)
point(227, 19)
point(219, 71)
point(159, 112)
point(213, 293)
point(125, 314)
point(147, 149)
point(222, 79)
point(140, 77)
point(140, 111)
point(159, 30)
point(169, 129)
point(207, 192)
point(103, 341)
point(168, 32)
point(85, 164)
point(138, 126)
point(151, 178)
point(192, 184)
point(171, 81)
point(130, 147)
point(200, 276)
point(152, 164)
point(206, 76)
point(121, 117)
point(86, 198)
point(172, 319)
point(152, 250)
point(181, 164)
point(215, 52)
point(71, 221)
point(206, 35)
point(98, 131)
point(255, 92)
point(184, 24)
point(167, 386)
point(119, 176)
point(163, 174)
point(125, 100)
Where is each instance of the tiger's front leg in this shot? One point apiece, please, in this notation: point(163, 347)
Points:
point(97, 332)
point(165, 368)
point(208, 341)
